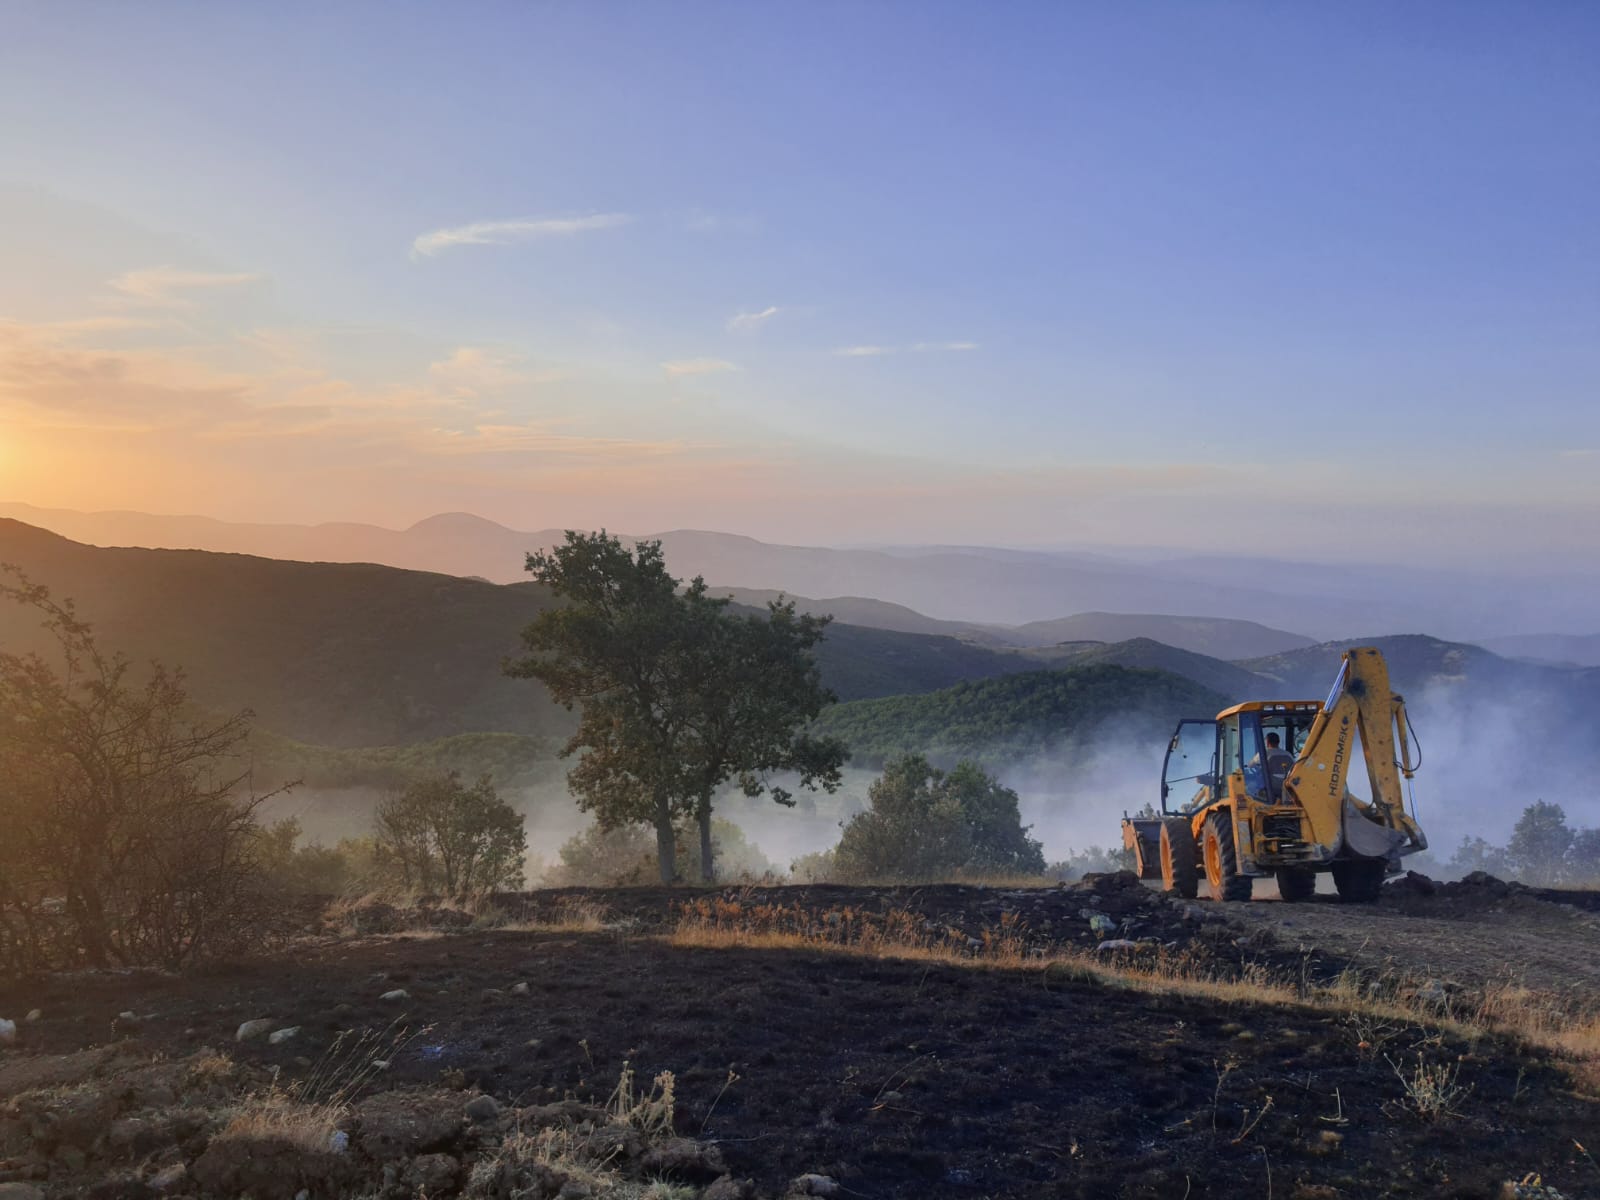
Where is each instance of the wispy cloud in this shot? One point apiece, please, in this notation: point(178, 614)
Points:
point(474, 370)
point(913, 348)
point(1587, 452)
point(502, 233)
point(168, 285)
point(697, 366)
point(749, 322)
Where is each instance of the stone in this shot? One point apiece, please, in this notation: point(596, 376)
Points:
point(814, 1185)
point(519, 989)
point(278, 1036)
point(1102, 924)
point(483, 1108)
point(432, 1175)
point(250, 1030)
point(392, 1125)
point(33, 1015)
point(396, 995)
point(8, 1032)
point(169, 1178)
point(728, 1188)
point(1117, 944)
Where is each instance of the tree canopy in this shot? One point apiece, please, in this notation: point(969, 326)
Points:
point(924, 823)
point(678, 697)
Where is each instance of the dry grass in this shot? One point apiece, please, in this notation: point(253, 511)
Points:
point(1391, 1002)
point(570, 915)
point(308, 1112)
point(583, 1153)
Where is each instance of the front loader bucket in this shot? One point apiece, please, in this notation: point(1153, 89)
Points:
point(1142, 835)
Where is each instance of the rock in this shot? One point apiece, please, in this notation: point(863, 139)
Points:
point(396, 995)
point(483, 1108)
point(33, 1015)
point(169, 1178)
point(269, 1168)
point(8, 1032)
point(339, 1142)
point(1433, 993)
point(519, 989)
point(278, 1036)
point(431, 1175)
point(1102, 924)
point(393, 1125)
point(684, 1159)
point(250, 1030)
point(1117, 944)
point(126, 1023)
point(729, 1188)
point(20, 1191)
point(814, 1185)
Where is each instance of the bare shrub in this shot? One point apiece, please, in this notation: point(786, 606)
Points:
point(128, 827)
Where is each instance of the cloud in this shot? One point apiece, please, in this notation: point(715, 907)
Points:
point(167, 285)
point(697, 366)
point(502, 233)
point(471, 370)
point(1583, 453)
point(749, 322)
point(913, 348)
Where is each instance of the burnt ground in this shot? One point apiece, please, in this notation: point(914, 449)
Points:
point(897, 1078)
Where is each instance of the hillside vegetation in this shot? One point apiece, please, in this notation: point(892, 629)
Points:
point(353, 654)
point(997, 721)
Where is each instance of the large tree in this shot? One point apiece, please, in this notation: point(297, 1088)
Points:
point(1539, 843)
point(677, 696)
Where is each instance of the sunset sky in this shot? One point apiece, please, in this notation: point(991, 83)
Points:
point(1238, 277)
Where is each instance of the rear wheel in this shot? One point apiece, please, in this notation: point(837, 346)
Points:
point(1179, 871)
point(1359, 880)
point(1222, 860)
point(1296, 883)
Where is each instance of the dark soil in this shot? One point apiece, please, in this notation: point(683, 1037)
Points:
point(898, 1078)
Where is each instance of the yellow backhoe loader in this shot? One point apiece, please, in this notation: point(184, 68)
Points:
point(1272, 794)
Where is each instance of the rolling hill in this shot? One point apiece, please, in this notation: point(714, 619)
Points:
point(1000, 721)
point(1215, 637)
point(975, 585)
point(351, 654)
point(1224, 678)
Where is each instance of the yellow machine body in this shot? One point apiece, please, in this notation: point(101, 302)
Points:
point(1272, 793)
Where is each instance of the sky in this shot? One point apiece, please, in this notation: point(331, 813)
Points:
point(1243, 278)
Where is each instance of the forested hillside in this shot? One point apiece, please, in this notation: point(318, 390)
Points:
point(998, 721)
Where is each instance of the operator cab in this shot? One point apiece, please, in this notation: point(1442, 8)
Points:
point(1259, 740)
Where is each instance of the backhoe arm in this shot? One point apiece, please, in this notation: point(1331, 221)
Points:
point(1361, 710)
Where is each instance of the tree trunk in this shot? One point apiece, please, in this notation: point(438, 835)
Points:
point(708, 872)
point(666, 842)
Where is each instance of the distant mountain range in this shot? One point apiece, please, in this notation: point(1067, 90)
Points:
point(362, 655)
point(963, 585)
point(354, 654)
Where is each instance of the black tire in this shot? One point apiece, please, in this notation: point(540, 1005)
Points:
point(1359, 880)
point(1180, 867)
point(1222, 860)
point(1296, 884)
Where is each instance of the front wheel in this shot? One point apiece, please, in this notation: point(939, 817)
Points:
point(1359, 880)
point(1222, 860)
point(1179, 872)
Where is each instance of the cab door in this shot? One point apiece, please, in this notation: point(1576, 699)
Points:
point(1191, 764)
